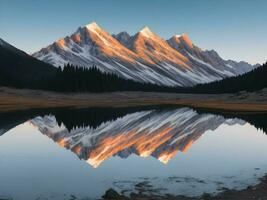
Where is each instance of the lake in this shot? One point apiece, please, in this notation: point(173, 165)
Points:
point(67, 153)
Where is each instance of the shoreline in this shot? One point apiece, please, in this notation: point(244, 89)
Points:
point(243, 103)
point(24, 99)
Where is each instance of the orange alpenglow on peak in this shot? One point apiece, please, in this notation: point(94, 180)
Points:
point(107, 45)
point(186, 39)
point(61, 43)
point(144, 57)
point(76, 38)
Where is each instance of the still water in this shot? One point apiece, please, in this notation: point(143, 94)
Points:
point(178, 151)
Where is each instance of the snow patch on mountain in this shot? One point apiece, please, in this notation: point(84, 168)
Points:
point(147, 32)
point(143, 57)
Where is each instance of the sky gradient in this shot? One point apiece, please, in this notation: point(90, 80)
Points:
point(236, 29)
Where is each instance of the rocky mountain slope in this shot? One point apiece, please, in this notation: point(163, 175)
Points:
point(143, 57)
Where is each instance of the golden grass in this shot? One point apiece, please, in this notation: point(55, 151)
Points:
point(14, 99)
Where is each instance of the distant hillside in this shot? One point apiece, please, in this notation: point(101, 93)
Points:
point(250, 81)
point(18, 69)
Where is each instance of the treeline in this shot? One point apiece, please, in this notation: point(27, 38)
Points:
point(18, 69)
point(250, 81)
point(80, 79)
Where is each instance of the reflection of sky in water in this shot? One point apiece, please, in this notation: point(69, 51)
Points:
point(32, 165)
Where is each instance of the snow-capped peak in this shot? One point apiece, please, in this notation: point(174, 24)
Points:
point(144, 57)
point(147, 32)
point(92, 26)
point(181, 36)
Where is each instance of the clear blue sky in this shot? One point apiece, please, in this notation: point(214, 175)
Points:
point(236, 29)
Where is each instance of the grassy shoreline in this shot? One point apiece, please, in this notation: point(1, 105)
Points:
point(23, 99)
point(16, 99)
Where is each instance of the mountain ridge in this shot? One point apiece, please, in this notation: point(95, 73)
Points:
point(6, 45)
point(144, 57)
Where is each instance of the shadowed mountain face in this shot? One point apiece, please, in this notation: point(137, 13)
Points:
point(157, 133)
point(21, 70)
point(144, 57)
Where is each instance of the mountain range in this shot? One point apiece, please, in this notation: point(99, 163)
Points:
point(144, 57)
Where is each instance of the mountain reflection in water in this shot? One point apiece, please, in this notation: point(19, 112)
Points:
point(231, 154)
point(157, 133)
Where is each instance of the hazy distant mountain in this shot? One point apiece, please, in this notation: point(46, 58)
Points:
point(144, 57)
point(253, 80)
point(210, 58)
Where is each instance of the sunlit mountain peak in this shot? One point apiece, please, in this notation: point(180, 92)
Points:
point(146, 32)
point(144, 57)
point(61, 43)
point(92, 26)
point(187, 40)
